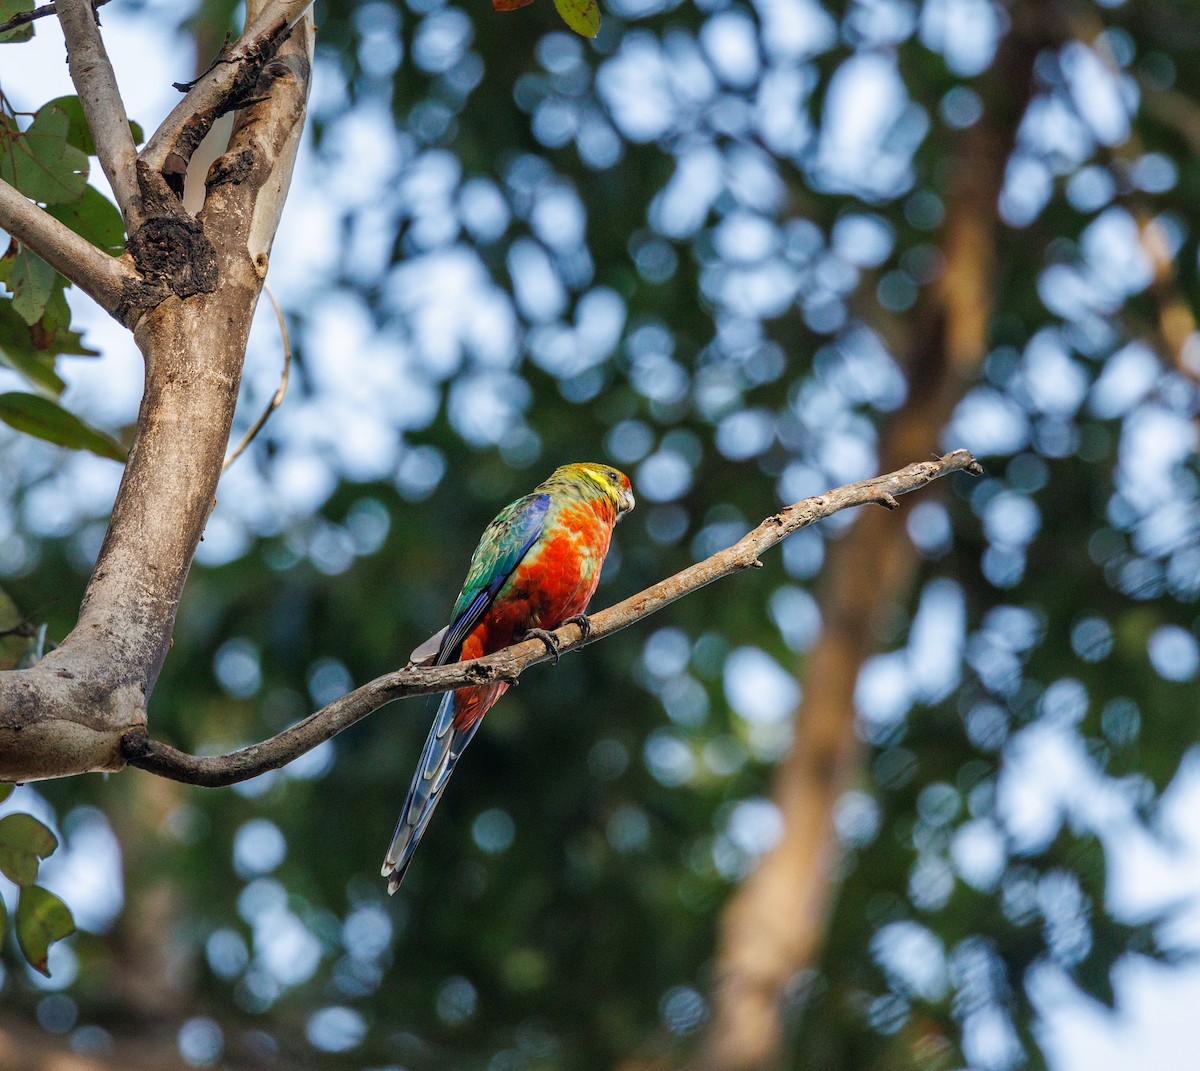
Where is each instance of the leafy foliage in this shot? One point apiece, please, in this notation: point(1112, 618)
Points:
point(583, 16)
point(23, 842)
point(40, 161)
point(41, 918)
point(95, 218)
point(15, 643)
point(9, 8)
point(47, 160)
point(682, 261)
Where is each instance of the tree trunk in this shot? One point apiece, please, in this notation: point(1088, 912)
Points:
point(190, 304)
point(774, 924)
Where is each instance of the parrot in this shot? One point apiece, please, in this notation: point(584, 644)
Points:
point(536, 567)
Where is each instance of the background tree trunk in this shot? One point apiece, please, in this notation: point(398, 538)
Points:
point(772, 927)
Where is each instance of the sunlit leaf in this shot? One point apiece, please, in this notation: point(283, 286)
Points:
point(24, 842)
point(39, 161)
point(12, 649)
point(583, 16)
point(48, 420)
point(42, 919)
point(95, 218)
point(9, 8)
point(6, 790)
point(79, 134)
point(32, 281)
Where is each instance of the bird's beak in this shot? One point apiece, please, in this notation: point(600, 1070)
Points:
point(625, 502)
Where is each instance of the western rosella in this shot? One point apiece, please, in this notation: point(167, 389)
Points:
point(535, 568)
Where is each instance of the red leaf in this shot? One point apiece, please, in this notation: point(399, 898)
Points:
point(510, 5)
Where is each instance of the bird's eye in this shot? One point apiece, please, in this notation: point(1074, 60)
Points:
point(614, 476)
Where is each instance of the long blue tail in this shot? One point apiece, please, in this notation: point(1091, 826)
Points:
point(443, 746)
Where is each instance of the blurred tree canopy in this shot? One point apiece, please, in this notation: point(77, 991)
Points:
point(869, 799)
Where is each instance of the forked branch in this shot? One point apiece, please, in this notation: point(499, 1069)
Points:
point(104, 278)
point(214, 771)
point(225, 85)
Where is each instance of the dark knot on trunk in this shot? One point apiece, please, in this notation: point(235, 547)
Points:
point(174, 251)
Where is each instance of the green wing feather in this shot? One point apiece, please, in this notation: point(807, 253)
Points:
point(501, 547)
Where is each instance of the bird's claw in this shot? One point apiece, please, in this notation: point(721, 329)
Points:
point(546, 638)
point(583, 621)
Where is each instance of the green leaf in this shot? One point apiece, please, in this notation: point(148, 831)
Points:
point(31, 350)
point(6, 790)
point(58, 312)
point(9, 8)
point(46, 339)
point(42, 919)
point(78, 133)
point(37, 368)
point(32, 282)
point(48, 420)
point(24, 842)
point(583, 16)
point(38, 161)
point(13, 648)
point(95, 218)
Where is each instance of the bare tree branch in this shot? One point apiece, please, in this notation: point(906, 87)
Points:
point(225, 85)
point(22, 18)
point(105, 278)
point(214, 771)
point(103, 107)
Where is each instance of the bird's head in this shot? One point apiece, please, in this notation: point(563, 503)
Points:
point(592, 477)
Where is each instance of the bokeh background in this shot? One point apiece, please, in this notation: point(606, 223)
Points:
point(930, 774)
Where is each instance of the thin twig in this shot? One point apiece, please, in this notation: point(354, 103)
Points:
point(23, 18)
point(92, 74)
point(215, 771)
point(277, 399)
point(190, 84)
